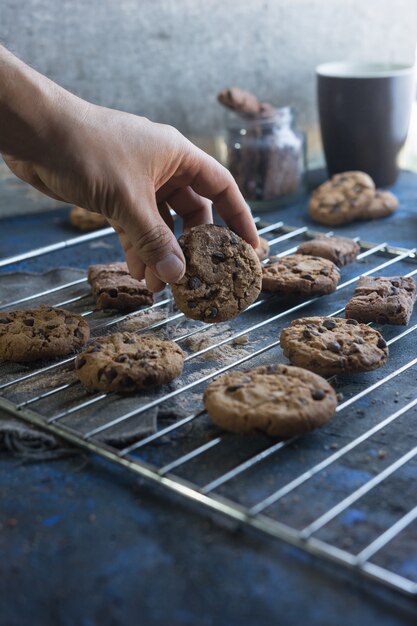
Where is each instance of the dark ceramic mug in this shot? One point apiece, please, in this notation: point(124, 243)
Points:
point(364, 113)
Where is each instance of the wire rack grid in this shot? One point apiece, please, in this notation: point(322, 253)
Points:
point(343, 493)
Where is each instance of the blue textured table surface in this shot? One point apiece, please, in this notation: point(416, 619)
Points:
point(83, 544)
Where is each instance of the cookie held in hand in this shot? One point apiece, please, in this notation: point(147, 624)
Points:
point(280, 400)
point(223, 274)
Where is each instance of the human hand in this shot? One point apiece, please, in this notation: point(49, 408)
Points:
point(131, 170)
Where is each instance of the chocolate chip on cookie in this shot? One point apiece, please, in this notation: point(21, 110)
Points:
point(340, 250)
point(222, 276)
point(329, 346)
point(341, 199)
point(382, 204)
point(280, 400)
point(125, 362)
point(114, 288)
point(86, 220)
point(41, 333)
point(300, 274)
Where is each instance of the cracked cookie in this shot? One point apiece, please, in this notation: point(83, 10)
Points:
point(222, 276)
point(41, 333)
point(385, 300)
point(114, 288)
point(300, 274)
point(86, 220)
point(341, 199)
point(339, 250)
point(332, 345)
point(280, 400)
point(125, 362)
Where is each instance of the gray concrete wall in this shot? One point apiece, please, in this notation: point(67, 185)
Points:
point(167, 59)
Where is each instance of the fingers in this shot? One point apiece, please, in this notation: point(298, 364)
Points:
point(193, 209)
point(134, 263)
point(153, 283)
point(165, 213)
point(150, 237)
point(212, 180)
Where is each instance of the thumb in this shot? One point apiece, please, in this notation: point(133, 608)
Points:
point(153, 241)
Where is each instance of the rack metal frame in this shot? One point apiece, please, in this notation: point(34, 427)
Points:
point(255, 516)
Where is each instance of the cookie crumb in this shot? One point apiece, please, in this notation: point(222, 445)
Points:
point(240, 341)
point(141, 320)
point(225, 353)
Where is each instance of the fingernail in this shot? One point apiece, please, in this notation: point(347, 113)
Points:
point(170, 268)
point(136, 274)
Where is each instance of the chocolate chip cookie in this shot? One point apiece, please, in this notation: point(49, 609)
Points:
point(114, 288)
point(223, 274)
point(263, 249)
point(300, 274)
point(341, 199)
point(280, 400)
point(40, 333)
point(86, 220)
point(125, 362)
point(385, 300)
point(382, 204)
point(331, 345)
point(340, 250)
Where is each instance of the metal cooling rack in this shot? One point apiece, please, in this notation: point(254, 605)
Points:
point(335, 493)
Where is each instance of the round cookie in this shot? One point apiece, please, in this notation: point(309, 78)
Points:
point(86, 220)
point(341, 199)
point(41, 333)
point(223, 274)
point(332, 345)
point(262, 250)
point(125, 362)
point(280, 400)
point(300, 274)
point(383, 203)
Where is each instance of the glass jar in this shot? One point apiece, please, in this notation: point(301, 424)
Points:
point(267, 157)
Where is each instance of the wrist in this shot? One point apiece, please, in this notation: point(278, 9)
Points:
point(33, 110)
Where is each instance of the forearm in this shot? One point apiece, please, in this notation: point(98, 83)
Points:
point(30, 107)
point(118, 164)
